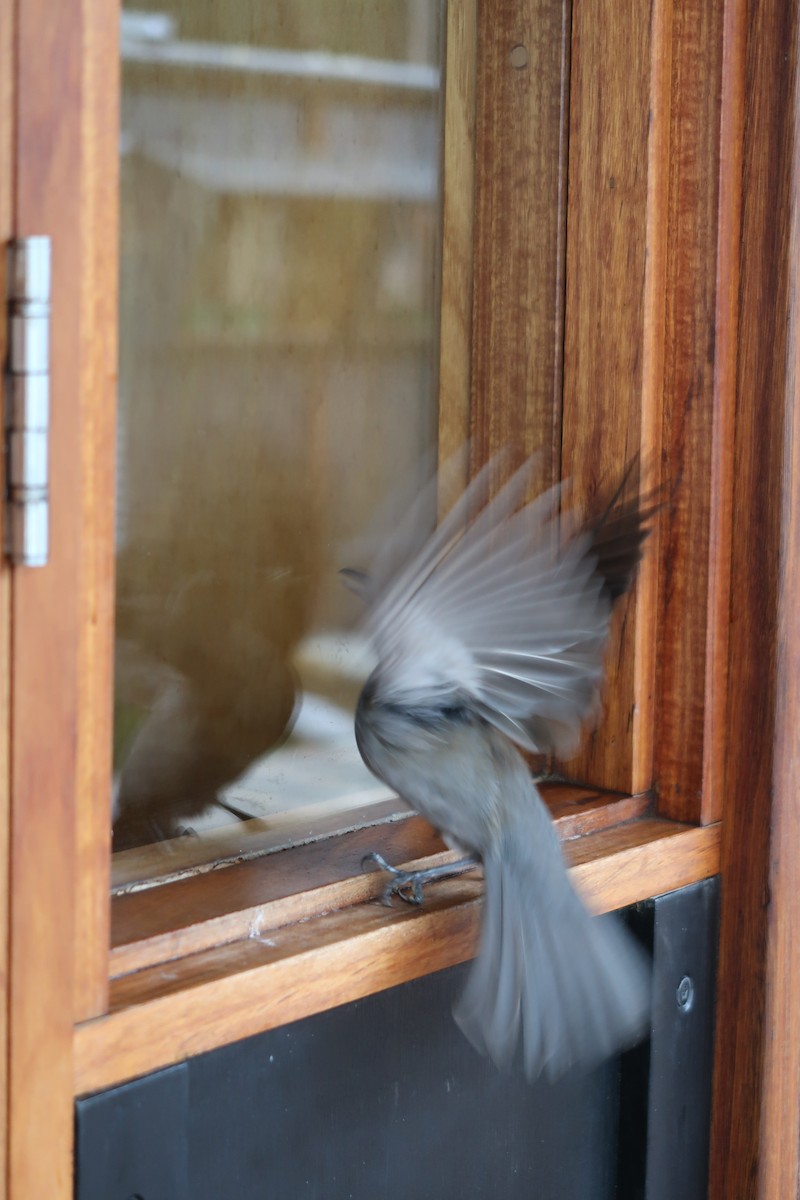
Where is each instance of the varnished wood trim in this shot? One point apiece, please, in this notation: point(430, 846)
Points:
point(98, 299)
point(166, 1013)
point(715, 747)
point(45, 629)
point(162, 923)
point(780, 1118)
point(610, 201)
point(520, 209)
point(159, 863)
point(643, 719)
point(755, 1146)
point(696, 432)
point(197, 913)
point(7, 81)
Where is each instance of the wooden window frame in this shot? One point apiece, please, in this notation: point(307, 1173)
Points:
point(491, 344)
point(718, 782)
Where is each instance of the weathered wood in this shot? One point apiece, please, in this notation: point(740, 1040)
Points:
point(164, 1013)
point(755, 1149)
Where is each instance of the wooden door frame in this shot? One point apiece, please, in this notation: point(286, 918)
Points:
point(63, 58)
point(756, 1131)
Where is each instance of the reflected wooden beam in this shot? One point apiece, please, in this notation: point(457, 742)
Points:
point(455, 337)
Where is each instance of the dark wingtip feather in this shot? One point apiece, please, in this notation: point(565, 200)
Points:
point(618, 537)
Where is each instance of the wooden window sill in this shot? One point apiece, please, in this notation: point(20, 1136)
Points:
point(221, 957)
point(210, 908)
point(187, 981)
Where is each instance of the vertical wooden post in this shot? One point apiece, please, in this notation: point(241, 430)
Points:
point(756, 1135)
point(610, 200)
point(520, 215)
point(65, 153)
point(7, 96)
point(48, 149)
point(100, 66)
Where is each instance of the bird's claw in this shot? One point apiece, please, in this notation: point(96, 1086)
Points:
point(405, 884)
point(408, 885)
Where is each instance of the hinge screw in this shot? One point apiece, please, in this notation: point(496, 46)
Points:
point(685, 994)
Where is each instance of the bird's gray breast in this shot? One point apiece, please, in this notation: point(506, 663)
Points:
point(443, 760)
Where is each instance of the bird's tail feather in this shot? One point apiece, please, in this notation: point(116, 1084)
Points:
point(574, 988)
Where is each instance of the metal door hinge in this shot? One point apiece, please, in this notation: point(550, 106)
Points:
point(27, 418)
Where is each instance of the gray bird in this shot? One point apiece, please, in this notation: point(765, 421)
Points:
point(493, 633)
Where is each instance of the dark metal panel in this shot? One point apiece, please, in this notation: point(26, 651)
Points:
point(635, 1084)
point(665, 1089)
point(385, 1098)
point(130, 1142)
point(682, 1043)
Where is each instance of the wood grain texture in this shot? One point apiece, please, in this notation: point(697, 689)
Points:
point(194, 914)
point(98, 279)
point(520, 204)
point(696, 429)
point(605, 319)
point(715, 749)
point(166, 1013)
point(7, 98)
point(644, 858)
point(756, 1124)
point(455, 339)
point(161, 923)
point(45, 631)
point(178, 857)
point(779, 1173)
point(644, 640)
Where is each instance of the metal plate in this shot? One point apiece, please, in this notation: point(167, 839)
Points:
point(384, 1098)
point(130, 1142)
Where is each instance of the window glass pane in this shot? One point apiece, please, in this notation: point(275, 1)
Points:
point(278, 342)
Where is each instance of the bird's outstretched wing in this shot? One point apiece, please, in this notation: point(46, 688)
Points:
point(503, 608)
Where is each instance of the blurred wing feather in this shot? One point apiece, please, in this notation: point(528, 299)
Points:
point(494, 609)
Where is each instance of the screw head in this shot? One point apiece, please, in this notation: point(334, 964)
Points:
point(685, 993)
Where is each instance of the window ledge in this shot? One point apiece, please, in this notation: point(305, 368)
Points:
point(269, 976)
point(242, 899)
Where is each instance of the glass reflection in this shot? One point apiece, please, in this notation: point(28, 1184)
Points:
point(280, 223)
